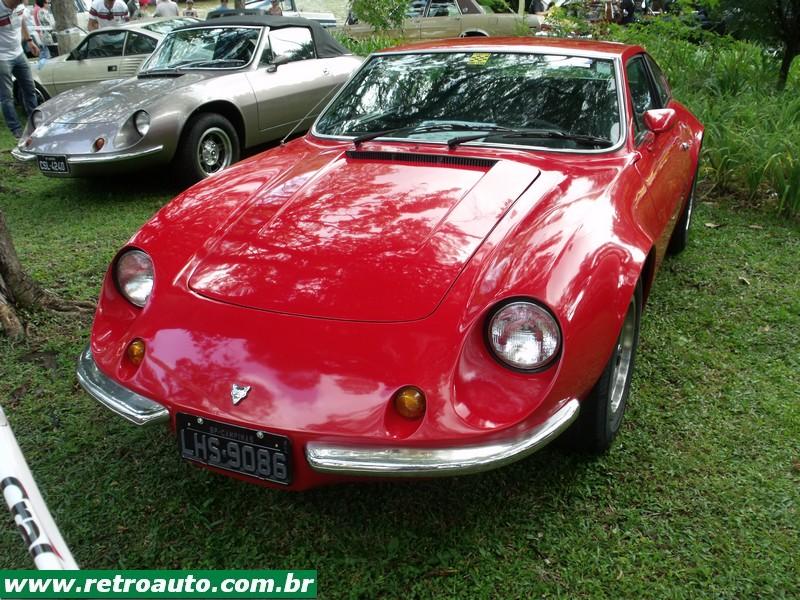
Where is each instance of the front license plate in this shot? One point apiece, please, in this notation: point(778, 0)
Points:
point(53, 165)
point(247, 451)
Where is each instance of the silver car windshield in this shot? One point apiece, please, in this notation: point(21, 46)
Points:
point(543, 100)
point(205, 48)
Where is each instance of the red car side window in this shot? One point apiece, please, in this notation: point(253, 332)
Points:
point(641, 91)
point(660, 81)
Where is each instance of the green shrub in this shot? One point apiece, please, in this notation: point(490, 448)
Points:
point(752, 142)
point(368, 45)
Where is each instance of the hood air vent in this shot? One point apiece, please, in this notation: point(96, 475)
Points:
point(423, 159)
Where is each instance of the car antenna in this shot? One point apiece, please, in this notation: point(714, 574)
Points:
point(313, 108)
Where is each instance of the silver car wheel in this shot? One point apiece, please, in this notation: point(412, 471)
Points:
point(623, 359)
point(690, 205)
point(214, 150)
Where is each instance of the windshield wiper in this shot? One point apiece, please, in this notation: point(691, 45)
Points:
point(487, 129)
point(533, 133)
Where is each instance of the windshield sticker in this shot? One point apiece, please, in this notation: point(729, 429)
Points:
point(479, 59)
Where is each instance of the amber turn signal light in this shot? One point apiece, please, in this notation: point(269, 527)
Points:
point(98, 144)
point(135, 352)
point(410, 402)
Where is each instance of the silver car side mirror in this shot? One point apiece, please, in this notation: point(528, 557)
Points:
point(279, 60)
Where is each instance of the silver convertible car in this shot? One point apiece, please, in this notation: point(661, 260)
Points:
point(209, 91)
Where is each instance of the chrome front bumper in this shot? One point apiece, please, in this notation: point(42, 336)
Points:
point(92, 159)
point(378, 461)
point(127, 403)
point(438, 462)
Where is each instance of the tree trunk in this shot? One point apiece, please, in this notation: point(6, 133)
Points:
point(66, 18)
point(789, 54)
point(20, 290)
point(238, 4)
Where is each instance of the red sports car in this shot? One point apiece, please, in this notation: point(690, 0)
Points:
point(444, 275)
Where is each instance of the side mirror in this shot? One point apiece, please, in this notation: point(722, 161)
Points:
point(660, 120)
point(279, 60)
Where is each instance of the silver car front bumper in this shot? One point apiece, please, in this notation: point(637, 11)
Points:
point(92, 159)
point(127, 403)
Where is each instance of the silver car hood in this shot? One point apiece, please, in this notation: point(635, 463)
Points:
point(111, 101)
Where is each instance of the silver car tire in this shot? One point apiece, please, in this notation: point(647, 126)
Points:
point(209, 145)
point(600, 419)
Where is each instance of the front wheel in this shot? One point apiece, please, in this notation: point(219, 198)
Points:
point(601, 414)
point(209, 145)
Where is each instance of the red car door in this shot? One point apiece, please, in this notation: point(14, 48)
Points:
point(663, 161)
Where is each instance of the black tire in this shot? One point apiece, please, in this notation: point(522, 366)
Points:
point(602, 412)
point(680, 235)
point(41, 95)
point(209, 144)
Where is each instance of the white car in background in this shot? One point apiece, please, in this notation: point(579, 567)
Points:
point(109, 53)
point(291, 9)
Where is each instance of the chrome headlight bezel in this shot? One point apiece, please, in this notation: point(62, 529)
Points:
point(141, 122)
point(134, 276)
point(538, 318)
point(37, 118)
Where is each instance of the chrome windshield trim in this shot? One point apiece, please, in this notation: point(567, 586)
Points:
point(134, 407)
point(405, 461)
point(256, 49)
point(620, 81)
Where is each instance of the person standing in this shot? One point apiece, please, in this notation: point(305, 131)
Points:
point(628, 12)
point(107, 13)
point(190, 11)
point(45, 23)
point(166, 8)
point(275, 9)
point(14, 35)
point(222, 9)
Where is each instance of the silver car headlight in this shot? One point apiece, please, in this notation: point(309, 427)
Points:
point(141, 121)
point(524, 335)
point(37, 118)
point(133, 275)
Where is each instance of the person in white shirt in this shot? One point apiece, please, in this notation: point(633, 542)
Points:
point(107, 13)
point(13, 33)
point(166, 8)
point(190, 11)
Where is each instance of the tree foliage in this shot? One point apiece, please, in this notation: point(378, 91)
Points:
point(773, 22)
point(383, 15)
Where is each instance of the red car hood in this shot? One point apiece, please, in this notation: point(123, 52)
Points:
point(370, 237)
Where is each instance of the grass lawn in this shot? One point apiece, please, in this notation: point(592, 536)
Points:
point(698, 499)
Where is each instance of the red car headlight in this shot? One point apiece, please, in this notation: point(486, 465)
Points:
point(133, 275)
point(524, 335)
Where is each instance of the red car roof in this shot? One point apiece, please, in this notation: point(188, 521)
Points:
point(517, 43)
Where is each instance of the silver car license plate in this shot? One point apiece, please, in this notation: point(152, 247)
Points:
point(53, 165)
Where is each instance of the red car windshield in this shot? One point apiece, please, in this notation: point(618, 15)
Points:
point(429, 96)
